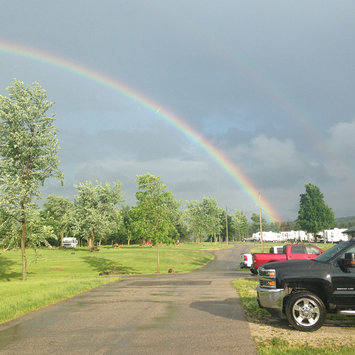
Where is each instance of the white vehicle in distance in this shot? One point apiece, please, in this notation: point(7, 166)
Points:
point(246, 260)
point(69, 243)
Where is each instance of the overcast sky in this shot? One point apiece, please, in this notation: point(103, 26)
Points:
point(269, 83)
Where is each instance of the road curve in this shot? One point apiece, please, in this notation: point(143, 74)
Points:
point(195, 313)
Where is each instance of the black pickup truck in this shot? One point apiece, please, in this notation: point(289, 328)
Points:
point(305, 290)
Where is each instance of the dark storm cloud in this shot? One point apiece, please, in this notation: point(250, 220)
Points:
point(270, 84)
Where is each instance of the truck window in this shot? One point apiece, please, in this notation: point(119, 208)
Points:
point(330, 253)
point(351, 250)
point(312, 250)
point(298, 249)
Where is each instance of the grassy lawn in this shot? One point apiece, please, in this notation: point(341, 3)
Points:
point(277, 340)
point(57, 274)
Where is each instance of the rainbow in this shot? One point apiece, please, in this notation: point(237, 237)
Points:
point(176, 122)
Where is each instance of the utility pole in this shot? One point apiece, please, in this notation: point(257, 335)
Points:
point(227, 239)
point(261, 226)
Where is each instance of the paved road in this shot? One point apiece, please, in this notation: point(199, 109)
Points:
point(195, 313)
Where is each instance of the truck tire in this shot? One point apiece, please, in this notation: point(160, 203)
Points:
point(305, 311)
point(253, 271)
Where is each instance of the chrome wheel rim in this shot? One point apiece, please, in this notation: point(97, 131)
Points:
point(306, 312)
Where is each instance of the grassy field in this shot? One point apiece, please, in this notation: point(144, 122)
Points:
point(57, 274)
point(272, 339)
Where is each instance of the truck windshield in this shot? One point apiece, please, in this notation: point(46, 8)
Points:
point(328, 254)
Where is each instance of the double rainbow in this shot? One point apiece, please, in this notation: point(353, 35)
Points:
point(176, 122)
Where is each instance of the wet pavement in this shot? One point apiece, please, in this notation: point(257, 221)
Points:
point(195, 313)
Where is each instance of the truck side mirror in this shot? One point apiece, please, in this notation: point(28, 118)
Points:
point(349, 260)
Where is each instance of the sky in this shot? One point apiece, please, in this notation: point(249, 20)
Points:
point(265, 86)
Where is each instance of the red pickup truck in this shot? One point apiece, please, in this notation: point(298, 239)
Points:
point(290, 252)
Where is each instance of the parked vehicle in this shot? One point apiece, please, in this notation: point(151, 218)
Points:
point(290, 252)
point(246, 260)
point(277, 249)
point(69, 242)
point(305, 290)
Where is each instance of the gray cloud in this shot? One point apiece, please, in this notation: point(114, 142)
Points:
point(270, 84)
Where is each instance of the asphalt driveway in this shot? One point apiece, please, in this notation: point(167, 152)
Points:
point(195, 313)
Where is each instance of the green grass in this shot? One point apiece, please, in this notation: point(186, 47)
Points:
point(57, 274)
point(277, 345)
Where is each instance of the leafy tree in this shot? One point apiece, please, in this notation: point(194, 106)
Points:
point(155, 209)
point(205, 218)
point(97, 210)
point(241, 224)
point(127, 229)
point(273, 227)
point(288, 226)
point(231, 226)
point(59, 213)
point(28, 155)
point(196, 218)
point(215, 218)
point(314, 215)
point(255, 226)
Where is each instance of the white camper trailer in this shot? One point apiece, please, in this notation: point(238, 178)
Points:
point(335, 235)
point(69, 242)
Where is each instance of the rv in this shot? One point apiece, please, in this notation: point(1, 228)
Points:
point(69, 242)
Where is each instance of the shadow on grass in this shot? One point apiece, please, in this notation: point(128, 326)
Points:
point(106, 266)
point(5, 269)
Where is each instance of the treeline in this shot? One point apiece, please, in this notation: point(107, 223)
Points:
point(98, 215)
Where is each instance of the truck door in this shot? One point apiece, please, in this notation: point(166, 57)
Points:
point(312, 252)
point(297, 252)
point(343, 280)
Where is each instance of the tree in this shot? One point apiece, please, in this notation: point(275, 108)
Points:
point(213, 217)
point(255, 226)
point(196, 218)
point(205, 218)
point(227, 222)
point(156, 211)
point(97, 210)
point(314, 215)
point(28, 155)
point(127, 230)
point(59, 213)
point(241, 224)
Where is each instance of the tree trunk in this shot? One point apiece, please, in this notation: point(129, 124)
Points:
point(23, 242)
point(158, 259)
point(23, 250)
point(91, 241)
